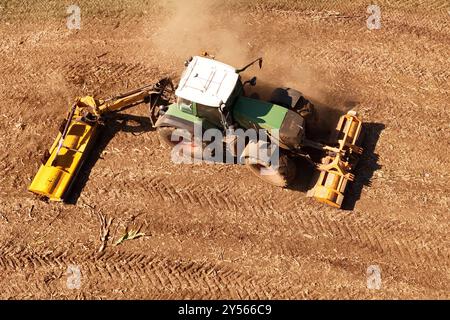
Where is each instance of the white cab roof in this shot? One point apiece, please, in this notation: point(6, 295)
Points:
point(207, 81)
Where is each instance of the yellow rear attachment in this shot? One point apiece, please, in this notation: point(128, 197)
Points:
point(335, 171)
point(67, 153)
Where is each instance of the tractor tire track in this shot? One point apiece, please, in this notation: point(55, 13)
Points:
point(200, 279)
point(374, 234)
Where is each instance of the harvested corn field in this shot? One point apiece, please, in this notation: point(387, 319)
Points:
point(205, 231)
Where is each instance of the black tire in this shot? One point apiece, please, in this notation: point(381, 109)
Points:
point(286, 97)
point(195, 151)
point(294, 100)
point(282, 177)
point(165, 133)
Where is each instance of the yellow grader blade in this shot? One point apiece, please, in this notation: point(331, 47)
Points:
point(335, 170)
point(66, 155)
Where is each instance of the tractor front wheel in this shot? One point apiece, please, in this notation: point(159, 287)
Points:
point(282, 176)
point(186, 146)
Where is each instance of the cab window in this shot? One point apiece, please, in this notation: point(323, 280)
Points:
point(185, 105)
point(212, 114)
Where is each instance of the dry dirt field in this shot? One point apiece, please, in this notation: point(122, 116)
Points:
point(216, 231)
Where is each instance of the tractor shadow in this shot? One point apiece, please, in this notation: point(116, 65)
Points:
point(364, 170)
point(367, 165)
point(114, 123)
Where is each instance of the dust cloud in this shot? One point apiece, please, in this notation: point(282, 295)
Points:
point(191, 27)
point(196, 26)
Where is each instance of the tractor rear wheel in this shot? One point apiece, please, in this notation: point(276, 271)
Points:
point(282, 176)
point(285, 97)
point(292, 99)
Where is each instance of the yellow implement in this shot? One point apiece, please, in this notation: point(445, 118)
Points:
point(72, 145)
point(67, 154)
point(335, 170)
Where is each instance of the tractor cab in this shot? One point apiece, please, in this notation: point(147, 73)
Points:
point(207, 85)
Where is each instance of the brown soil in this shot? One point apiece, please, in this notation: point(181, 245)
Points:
point(216, 231)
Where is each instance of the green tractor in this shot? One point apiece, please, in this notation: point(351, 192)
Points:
point(210, 100)
point(211, 94)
